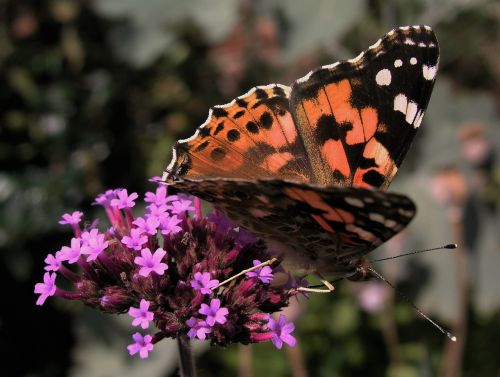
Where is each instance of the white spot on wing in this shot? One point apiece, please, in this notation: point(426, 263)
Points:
point(383, 77)
point(429, 72)
point(398, 63)
point(413, 61)
point(411, 112)
point(400, 103)
point(409, 41)
point(418, 119)
point(376, 217)
point(422, 44)
point(355, 202)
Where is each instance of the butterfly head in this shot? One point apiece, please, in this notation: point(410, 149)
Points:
point(179, 165)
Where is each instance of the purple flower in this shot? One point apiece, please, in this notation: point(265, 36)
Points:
point(141, 315)
point(159, 212)
point(203, 283)
point(151, 262)
point(142, 344)
point(149, 225)
point(282, 330)
point(169, 225)
point(93, 244)
point(214, 312)
point(124, 200)
point(72, 254)
point(106, 197)
point(135, 240)
point(182, 205)
point(47, 288)
point(159, 198)
point(265, 273)
point(198, 328)
point(53, 262)
point(72, 219)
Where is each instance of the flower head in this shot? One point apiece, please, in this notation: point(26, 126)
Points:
point(142, 344)
point(281, 332)
point(165, 279)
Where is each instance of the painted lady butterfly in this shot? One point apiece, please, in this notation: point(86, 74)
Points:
point(305, 167)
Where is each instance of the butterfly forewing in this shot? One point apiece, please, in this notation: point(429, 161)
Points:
point(358, 117)
point(252, 137)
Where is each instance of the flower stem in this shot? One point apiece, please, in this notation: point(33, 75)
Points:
point(186, 362)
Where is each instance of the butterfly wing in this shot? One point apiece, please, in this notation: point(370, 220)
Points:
point(358, 117)
point(251, 137)
point(320, 228)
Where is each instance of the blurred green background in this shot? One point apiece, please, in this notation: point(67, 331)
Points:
point(94, 93)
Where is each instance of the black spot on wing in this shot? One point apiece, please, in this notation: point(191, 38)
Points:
point(373, 178)
point(218, 154)
point(233, 135)
point(266, 120)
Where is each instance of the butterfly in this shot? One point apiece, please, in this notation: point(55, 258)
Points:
point(306, 167)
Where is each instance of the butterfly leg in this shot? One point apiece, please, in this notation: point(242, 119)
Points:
point(266, 263)
point(329, 288)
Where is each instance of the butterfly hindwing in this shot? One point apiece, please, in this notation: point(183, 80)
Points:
point(358, 117)
point(330, 225)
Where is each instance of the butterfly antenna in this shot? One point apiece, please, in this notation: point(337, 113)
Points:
point(422, 314)
point(445, 247)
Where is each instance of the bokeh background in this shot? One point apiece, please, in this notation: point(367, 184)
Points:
point(94, 93)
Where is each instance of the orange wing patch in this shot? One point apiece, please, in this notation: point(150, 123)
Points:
point(328, 119)
point(252, 137)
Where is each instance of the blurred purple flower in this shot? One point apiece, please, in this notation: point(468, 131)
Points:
point(282, 330)
point(124, 200)
point(71, 219)
point(180, 206)
point(372, 296)
point(170, 225)
point(149, 225)
point(159, 198)
point(142, 344)
point(198, 328)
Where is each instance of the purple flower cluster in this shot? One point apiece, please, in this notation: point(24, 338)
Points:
point(166, 267)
